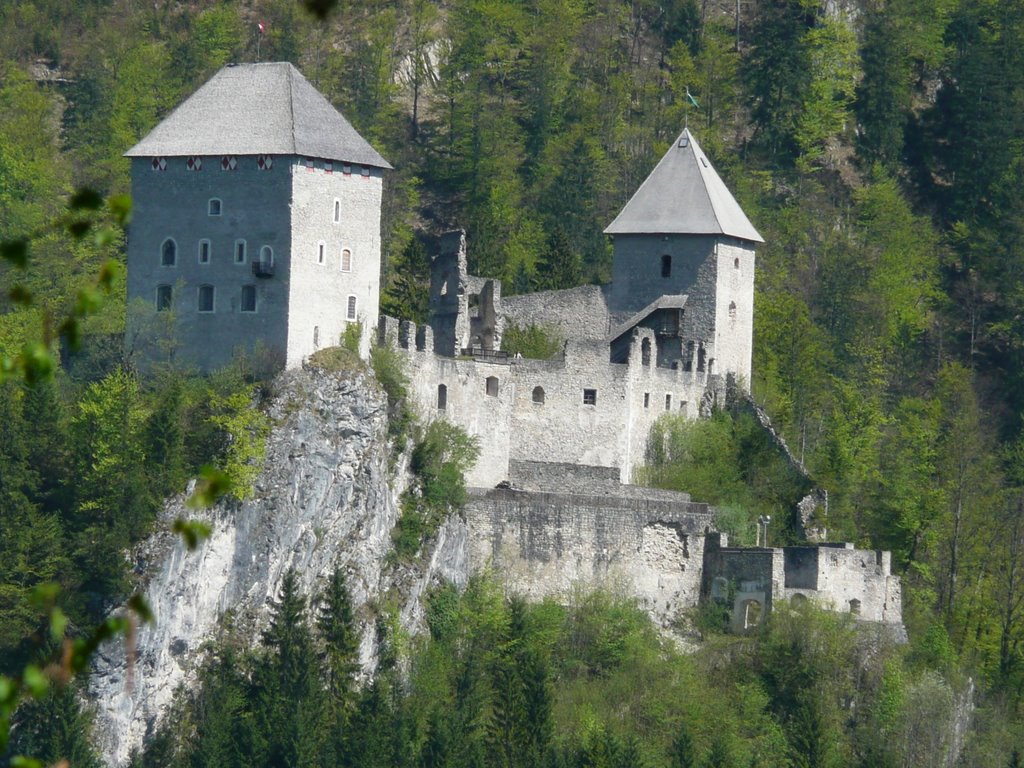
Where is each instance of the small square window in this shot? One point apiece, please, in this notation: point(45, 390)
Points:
point(204, 251)
point(590, 397)
point(164, 298)
point(240, 252)
point(206, 298)
point(214, 206)
point(248, 298)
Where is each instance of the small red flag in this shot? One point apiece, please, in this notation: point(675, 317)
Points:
point(261, 27)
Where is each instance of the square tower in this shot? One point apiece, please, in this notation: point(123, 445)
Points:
point(683, 233)
point(256, 220)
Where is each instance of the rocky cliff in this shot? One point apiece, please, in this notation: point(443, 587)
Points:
point(327, 496)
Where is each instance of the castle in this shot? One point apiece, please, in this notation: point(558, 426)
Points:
point(257, 218)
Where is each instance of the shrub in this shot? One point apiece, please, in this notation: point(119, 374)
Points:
point(534, 341)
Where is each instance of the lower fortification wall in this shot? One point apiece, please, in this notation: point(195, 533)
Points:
point(543, 544)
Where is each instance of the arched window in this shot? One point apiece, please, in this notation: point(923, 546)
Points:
point(267, 256)
point(442, 397)
point(666, 266)
point(855, 607)
point(168, 253)
point(205, 299)
point(214, 206)
point(351, 308)
point(538, 395)
point(492, 386)
point(346, 260)
point(645, 352)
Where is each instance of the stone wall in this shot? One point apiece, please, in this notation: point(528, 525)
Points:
point(575, 313)
point(734, 309)
point(542, 544)
point(319, 291)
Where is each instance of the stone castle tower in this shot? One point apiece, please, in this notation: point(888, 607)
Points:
point(256, 218)
point(683, 235)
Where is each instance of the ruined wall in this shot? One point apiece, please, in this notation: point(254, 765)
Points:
point(576, 313)
point(542, 544)
point(846, 574)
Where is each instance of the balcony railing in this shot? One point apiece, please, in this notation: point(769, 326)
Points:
point(263, 268)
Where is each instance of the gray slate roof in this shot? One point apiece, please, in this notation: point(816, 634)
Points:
point(669, 301)
point(684, 195)
point(258, 109)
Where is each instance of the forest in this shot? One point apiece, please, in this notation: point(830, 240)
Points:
point(878, 146)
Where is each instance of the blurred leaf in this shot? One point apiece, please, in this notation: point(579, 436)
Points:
point(35, 681)
point(69, 331)
point(44, 594)
point(109, 272)
point(121, 207)
point(192, 531)
point(86, 199)
point(79, 228)
point(36, 362)
point(211, 486)
point(58, 623)
point(15, 251)
point(19, 294)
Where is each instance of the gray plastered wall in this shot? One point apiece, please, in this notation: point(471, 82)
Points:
point(175, 203)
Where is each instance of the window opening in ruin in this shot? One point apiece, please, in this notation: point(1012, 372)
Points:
point(206, 298)
point(214, 207)
point(442, 397)
point(473, 303)
point(666, 266)
point(239, 251)
point(316, 337)
point(701, 356)
point(163, 298)
point(855, 607)
point(647, 399)
point(751, 614)
point(688, 362)
point(590, 397)
point(351, 308)
point(444, 284)
point(538, 395)
point(645, 352)
point(168, 253)
point(320, 253)
point(267, 256)
point(248, 298)
point(346, 260)
point(492, 386)
point(732, 310)
point(668, 402)
point(204, 251)
point(337, 211)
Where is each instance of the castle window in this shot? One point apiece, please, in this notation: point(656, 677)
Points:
point(442, 397)
point(751, 614)
point(204, 251)
point(736, 263)
point(668, 402)
point(164, 297)
point(701, 356)
point(538, 395)
point(205, 298)
point(328, 166)
point(168, 253)
point(492, 386)
point(316, 337)
point(239, 251)
point(647, 399)
point(590, 397)
point(310, 164)
point(351, 308)
point(645, 352)
point(365, 170)
point(732, 310)
point(855, 607)
point(346, 169)
point(320, 253)
point(666, 266)
point(267, 256)
point(346, 260)
point(337, 211)
point(248, 298)
point(214, 206)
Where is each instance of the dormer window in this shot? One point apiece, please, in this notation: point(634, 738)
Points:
point(214, 207)
point(666, 266)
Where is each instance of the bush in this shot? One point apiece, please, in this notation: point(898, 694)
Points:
point(387, 367)
point(534, 341)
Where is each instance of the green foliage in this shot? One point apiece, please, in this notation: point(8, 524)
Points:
point(387, 367)
point(534, 341)
point(243, 430)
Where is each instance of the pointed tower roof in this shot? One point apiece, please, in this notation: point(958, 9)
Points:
point(684, 195)
point(256, 109)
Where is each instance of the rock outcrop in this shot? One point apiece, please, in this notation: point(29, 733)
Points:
point(327, 496)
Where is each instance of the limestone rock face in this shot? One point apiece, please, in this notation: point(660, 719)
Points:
point(326, 497)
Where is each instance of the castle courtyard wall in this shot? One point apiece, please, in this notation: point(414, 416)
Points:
point(574, 313)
